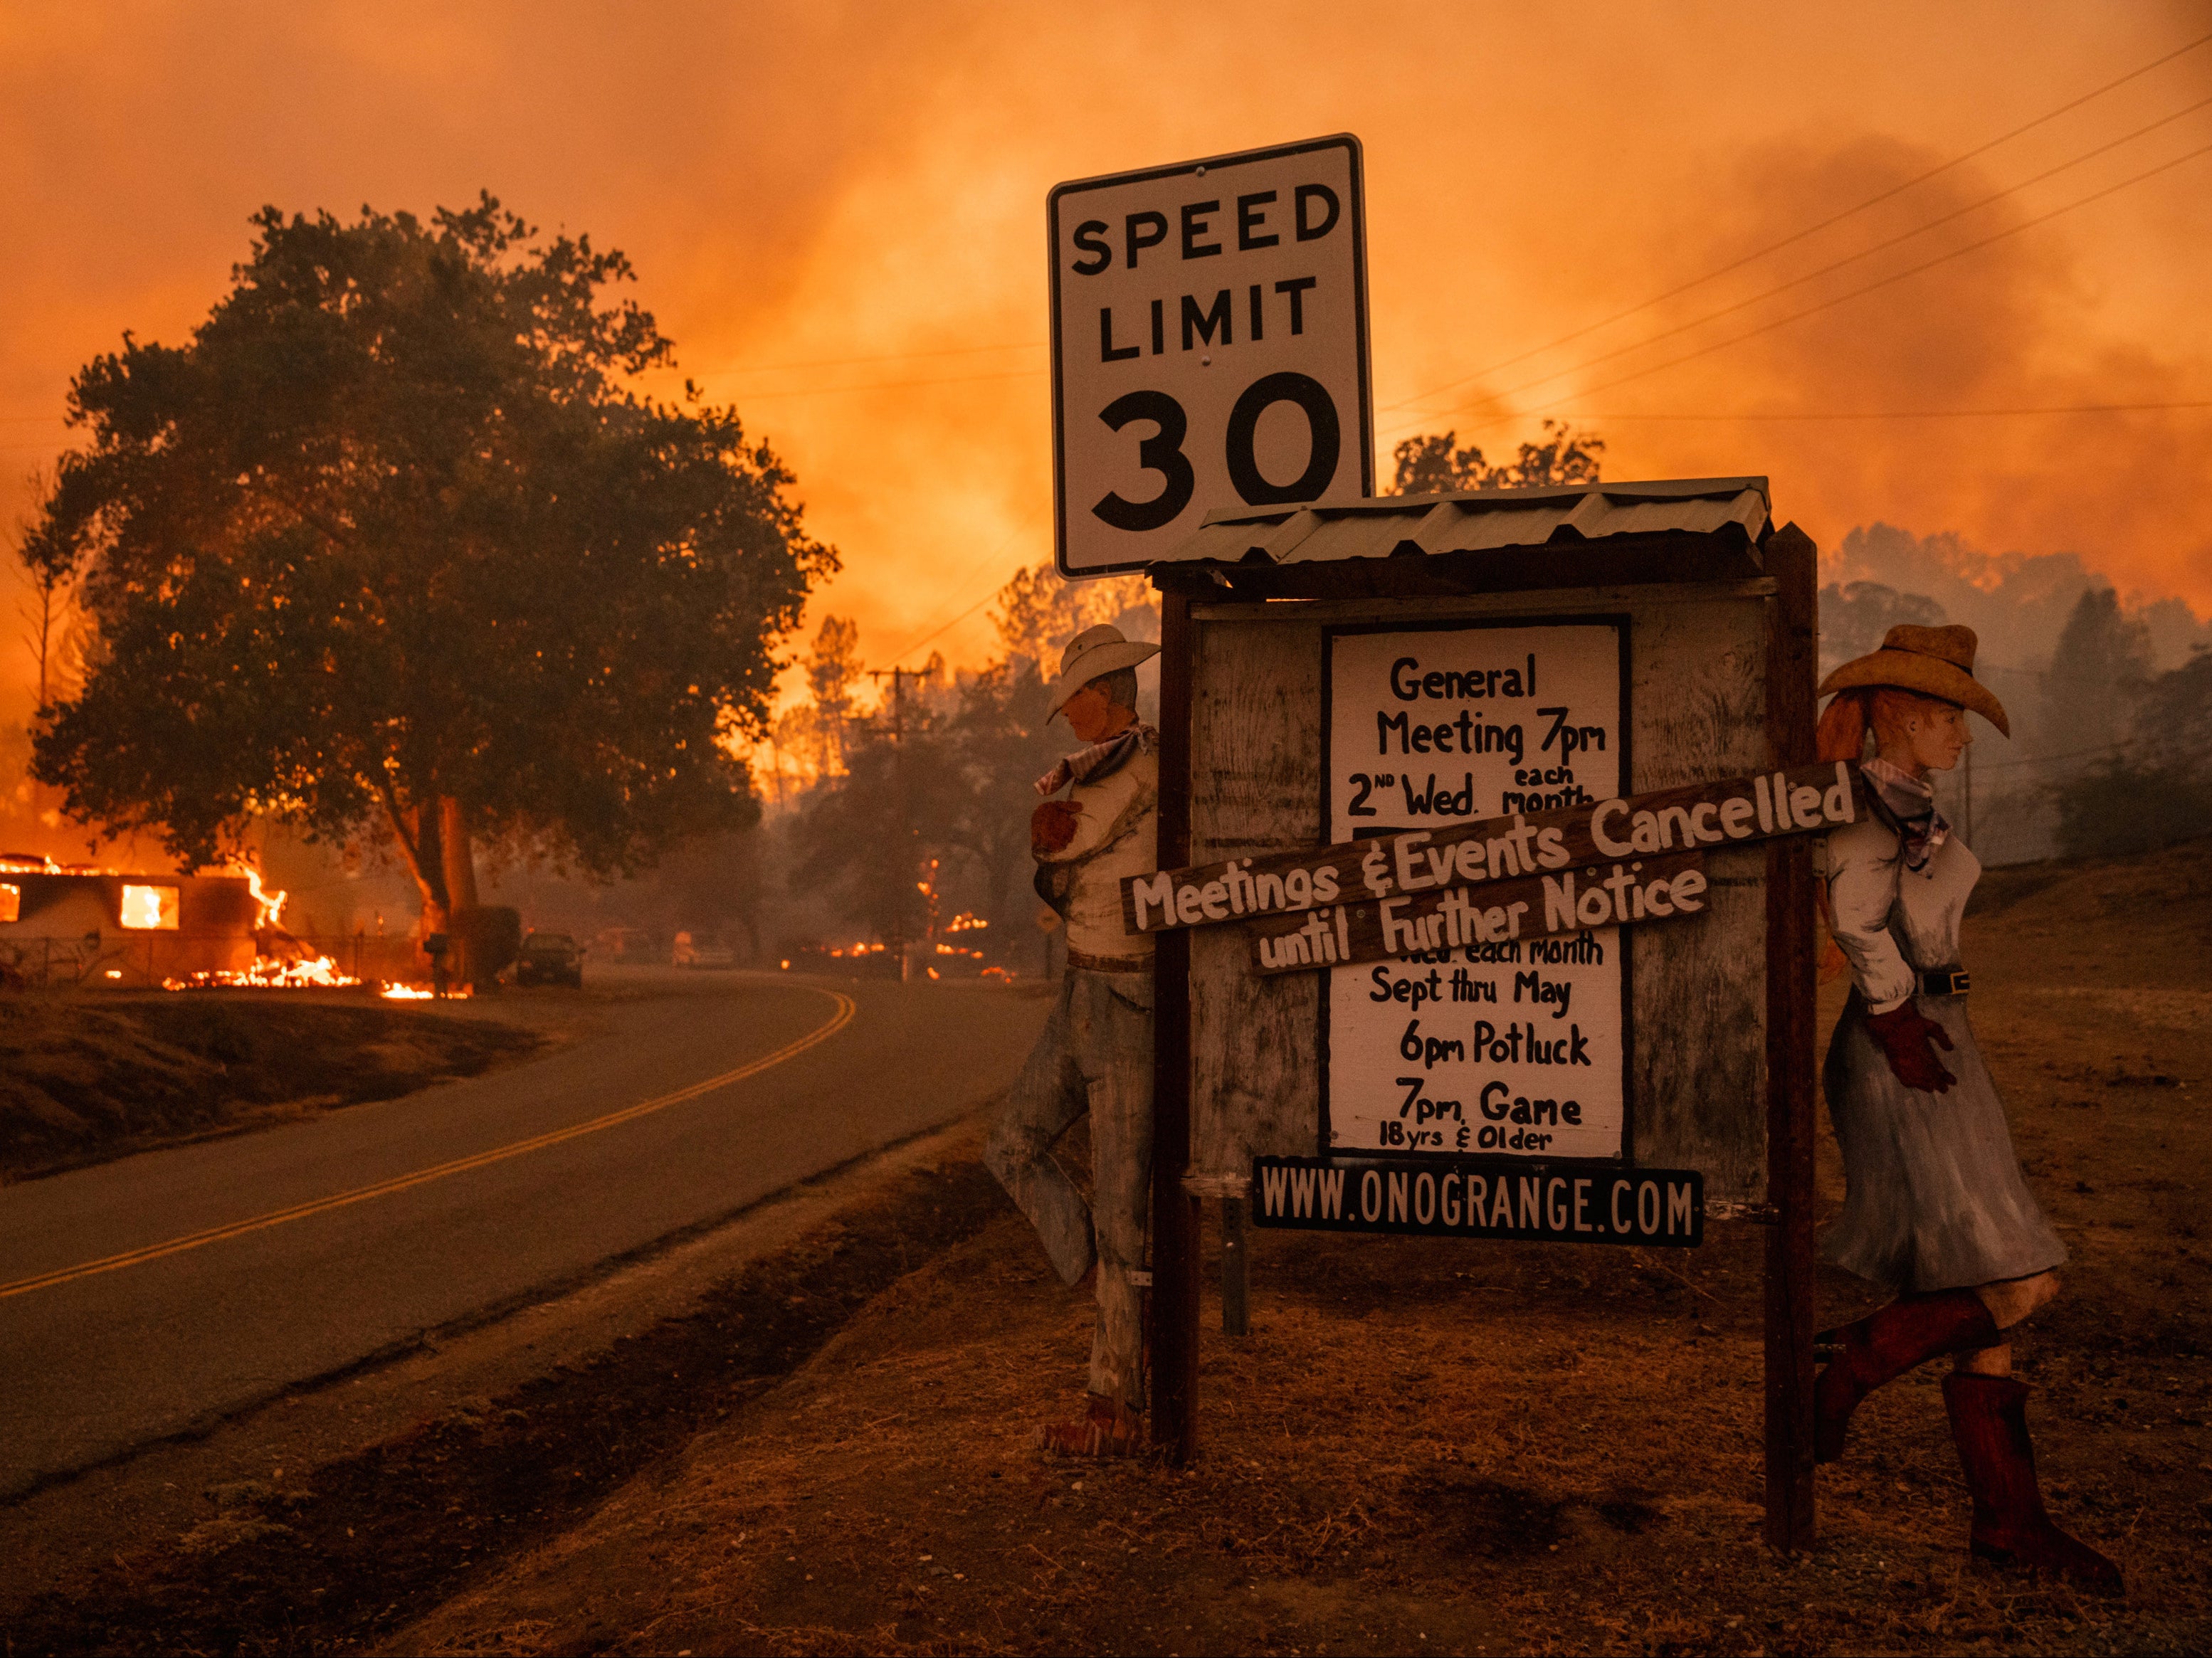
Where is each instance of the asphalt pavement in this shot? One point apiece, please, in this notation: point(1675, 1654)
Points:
point(156, 1295)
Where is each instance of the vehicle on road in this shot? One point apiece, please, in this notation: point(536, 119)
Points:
point(628, 946)
point(550, 958)
point(689, 954)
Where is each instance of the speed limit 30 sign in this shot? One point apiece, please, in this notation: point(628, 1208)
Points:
point(1209, 335)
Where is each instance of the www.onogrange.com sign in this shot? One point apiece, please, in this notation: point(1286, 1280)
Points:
point(1468, 1199)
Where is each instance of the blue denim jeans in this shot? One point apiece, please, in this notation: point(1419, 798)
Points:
point(1095, 1056)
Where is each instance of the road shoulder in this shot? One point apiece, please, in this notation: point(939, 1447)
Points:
point(363, 1499)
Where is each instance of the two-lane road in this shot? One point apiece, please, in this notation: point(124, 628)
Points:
point(143, 1297)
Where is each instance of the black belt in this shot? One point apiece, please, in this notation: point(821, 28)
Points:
point(1944, 981)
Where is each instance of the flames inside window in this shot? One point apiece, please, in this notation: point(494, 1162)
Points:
point(11, 902)
point(147, 908)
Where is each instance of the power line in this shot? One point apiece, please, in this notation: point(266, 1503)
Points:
point(843, 362)
point(1812, 229)
point(940, 632)
point(992, 559)
point(1829, 304)
point(1902, 413)
point(885, 385)
point(1849, 258)
point(809, 391)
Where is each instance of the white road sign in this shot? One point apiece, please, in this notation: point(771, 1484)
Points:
point(1209, 334)
point(1516, 1047)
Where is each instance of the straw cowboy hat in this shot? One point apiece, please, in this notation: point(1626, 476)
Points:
point(1091, 654)
point(1933, 661)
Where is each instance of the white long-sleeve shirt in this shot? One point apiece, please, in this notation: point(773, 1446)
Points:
point(1116, 835)
point(1893, 923)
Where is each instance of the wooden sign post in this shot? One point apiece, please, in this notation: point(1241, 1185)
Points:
point(1437, 692)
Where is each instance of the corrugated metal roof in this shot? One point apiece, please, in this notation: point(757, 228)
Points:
point(1479, 521)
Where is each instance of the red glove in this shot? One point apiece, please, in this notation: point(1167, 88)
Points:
point(1906, 1037)
point(1052, 826)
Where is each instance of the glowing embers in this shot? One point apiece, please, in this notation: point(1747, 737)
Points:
point(319, 973)
point(11, 902)
point(150, 909)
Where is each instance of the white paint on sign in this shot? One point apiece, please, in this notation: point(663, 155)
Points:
point(1516, 1047)
point(1209, 346)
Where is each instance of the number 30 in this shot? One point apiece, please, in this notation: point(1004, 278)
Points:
point(1161, 453)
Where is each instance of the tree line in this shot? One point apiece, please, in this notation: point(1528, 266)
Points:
point(393, 550)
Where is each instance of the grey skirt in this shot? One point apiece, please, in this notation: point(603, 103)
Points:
point(1935, 1199)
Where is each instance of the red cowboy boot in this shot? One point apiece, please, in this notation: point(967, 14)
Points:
point(1107, 1428)
point(1880, 1348)
point(1988, 1424)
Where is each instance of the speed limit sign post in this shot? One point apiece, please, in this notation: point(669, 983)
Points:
point(1209, 334)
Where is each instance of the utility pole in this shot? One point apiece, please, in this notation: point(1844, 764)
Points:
point(899, 676)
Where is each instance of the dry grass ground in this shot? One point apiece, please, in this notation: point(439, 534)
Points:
point(87, 1078)
point(1476, 1447)
point(89, 1075)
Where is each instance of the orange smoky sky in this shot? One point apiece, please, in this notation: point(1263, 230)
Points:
point(837, 213)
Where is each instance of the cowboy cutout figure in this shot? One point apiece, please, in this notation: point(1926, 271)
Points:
point(1936, 1209)
point(1096, 1053)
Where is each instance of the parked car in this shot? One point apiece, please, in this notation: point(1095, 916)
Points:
point(688, 954)
point(630, 945)
point(550, 958)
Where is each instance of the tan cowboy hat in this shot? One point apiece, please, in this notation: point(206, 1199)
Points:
point(1933, 661)
point(1095, 651)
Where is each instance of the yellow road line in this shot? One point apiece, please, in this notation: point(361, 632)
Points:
point(821, 1033)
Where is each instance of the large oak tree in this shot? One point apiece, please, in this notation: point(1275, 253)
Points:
point(393, 545)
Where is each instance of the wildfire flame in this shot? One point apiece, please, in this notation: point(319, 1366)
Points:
point(142, 907)
point(269, 972)
point(271, 907)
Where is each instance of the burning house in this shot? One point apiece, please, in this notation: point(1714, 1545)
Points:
point(92, 925)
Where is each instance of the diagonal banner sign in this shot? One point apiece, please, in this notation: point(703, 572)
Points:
point(1429, 925)
point(1734, 811)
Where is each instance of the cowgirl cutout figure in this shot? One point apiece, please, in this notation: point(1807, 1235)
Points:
point(1936, 1209)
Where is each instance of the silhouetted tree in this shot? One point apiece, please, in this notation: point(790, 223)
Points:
point(1432, 464)
point(1856, 615)
point(2101, 663)
point(815, 730)
point(1040, 611)
point(2156, 789)
point(1003, 746)
point(390, 537)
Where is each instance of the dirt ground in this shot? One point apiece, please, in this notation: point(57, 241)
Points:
point(1424, 1445)
point(1445, 1446)
point(85, 1077)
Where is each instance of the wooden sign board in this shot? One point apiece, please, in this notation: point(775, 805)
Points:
point(1668, 678)
point(1397, 687)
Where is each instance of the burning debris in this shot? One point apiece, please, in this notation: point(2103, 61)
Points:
point(89, 924)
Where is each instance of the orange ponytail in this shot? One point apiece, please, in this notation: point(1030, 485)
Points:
point(1842, 729)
